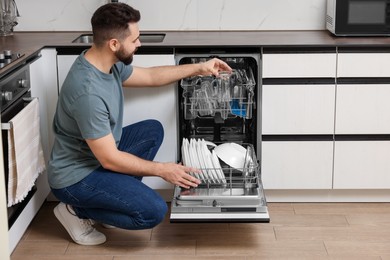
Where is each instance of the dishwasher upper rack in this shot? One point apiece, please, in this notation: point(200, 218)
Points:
point(229, 95)
point(215, 173)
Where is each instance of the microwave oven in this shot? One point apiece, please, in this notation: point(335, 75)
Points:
point(358, 17)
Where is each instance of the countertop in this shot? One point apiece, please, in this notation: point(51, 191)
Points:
point(29, 43)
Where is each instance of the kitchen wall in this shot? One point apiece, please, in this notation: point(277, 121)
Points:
point(74, 15)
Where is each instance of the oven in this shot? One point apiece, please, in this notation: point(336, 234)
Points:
point(15, 95)
point(219, 133)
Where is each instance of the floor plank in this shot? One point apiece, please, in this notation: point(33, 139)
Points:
point(341, 208)
point(118, 248)
point(357, 248)
point(376, 219)
point(272, 248)
point(356, 233)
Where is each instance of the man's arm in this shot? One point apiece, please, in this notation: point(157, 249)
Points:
point(163, 75)
point(111, 158)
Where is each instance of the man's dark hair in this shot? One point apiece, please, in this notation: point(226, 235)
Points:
point(112, 21)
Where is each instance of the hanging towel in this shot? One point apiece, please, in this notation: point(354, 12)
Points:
point(25, 152)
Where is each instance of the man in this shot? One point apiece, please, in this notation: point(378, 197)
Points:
point(96, 166)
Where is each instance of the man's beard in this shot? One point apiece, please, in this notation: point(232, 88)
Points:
point(124, 57)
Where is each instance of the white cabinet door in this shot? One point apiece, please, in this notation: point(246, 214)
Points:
point(299, 65)
point(43, 77)
point(298, 109)
point(363, 65)
point(297, 165)
point(155, 103)
point(64, 62)
point(362, 165)
point(363, 109)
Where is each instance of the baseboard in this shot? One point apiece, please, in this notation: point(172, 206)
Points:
point(382, 195)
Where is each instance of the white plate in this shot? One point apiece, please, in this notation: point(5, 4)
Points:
point(202, 162)
point(207, 158)
point(217, 166)
point(209, 168)
point(188, 161)
point(186, 157)
point(183, 153)
point(194, 158)
point(209, 143)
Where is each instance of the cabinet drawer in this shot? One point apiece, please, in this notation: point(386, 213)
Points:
point(362, 165)
point(297, 165)
point(363, 109)
point(363, 65)
point(298, 65)
point(298, 109)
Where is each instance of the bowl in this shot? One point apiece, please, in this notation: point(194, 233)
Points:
point(232, 154)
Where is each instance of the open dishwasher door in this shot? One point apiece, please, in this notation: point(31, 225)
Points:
point(226, 194)
point(216, 114)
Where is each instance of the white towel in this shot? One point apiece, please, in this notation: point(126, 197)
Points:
point(25, 152)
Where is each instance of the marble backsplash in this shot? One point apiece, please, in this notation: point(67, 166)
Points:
point(74, 15)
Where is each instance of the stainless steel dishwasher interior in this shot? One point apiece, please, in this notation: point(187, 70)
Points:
point(216, 112)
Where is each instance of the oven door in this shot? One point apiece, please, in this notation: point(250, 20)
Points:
point(6, 115)
point(362, 17)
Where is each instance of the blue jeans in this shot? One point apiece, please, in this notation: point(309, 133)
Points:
point(119, 199)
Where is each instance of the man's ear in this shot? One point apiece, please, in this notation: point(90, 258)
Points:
point(114, 45)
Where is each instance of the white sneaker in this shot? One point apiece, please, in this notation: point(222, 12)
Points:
point(80, 230)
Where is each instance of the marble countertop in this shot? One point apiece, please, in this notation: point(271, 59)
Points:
point(29, 43)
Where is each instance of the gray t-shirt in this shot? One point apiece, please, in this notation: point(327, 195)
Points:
point(90, 105)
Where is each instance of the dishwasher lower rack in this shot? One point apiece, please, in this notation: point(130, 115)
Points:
point(238, 196)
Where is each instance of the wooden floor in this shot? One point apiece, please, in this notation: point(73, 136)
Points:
point(297, 231)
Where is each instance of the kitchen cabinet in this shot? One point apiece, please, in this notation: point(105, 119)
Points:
point(155, 103)
point(325, 120)
point(298, 109)
point(362, 165)
point(362, 125)
point(299, 63)
point(357, 63)
point(146, 103)
point(363, 91)
point(363, 109)
point(64, 62)
point(43, 77)
point(297, 164)
point(298, 106)
point(43, 82)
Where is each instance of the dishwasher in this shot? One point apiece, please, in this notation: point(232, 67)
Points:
point(218, 133)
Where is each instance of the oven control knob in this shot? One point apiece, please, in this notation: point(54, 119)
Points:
point(23, 83)
point(7, 95)
point(7, 54)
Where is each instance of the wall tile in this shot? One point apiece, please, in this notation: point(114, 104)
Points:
point(68, 15)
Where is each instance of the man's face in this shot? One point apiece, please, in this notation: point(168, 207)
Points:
point(129, 45)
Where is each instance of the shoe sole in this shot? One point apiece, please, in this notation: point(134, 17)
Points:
point(108, 226)
point(61, 219)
